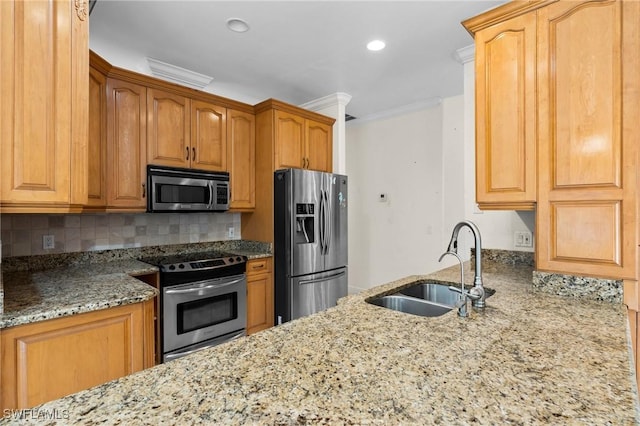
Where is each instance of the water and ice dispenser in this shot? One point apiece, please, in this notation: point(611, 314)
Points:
point(305, 224)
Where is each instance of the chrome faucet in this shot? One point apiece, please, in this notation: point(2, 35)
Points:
point(478, 288)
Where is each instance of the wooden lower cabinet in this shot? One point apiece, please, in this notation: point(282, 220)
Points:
point(49, 359)
point(259, 295)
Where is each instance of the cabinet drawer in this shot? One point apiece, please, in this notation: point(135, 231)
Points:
point(258, 266)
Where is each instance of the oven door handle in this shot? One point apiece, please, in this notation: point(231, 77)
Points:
point(206, 287)
point(175, 355)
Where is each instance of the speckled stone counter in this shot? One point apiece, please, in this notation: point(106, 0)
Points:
point(38, 288)
point(530, 358)
point(54, 293)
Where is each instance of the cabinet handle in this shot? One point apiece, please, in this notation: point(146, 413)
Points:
point(144, 190)
point(193, 157)
point(187, 148)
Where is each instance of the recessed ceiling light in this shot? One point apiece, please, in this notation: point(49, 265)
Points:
point(376, 45)
point(237, 25)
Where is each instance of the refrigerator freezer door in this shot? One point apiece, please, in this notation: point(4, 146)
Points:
point(317, 292)
point(305, 231)
point(335, 187)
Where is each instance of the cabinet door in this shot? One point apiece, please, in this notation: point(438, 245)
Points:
point(44, 110)
point(97, 178)
point(168, 129)
point(319, 146)
point(126, 145)
point(50, 359)
point(259, 295)
point(242, 159)
point(289, 141)
point(208, 137)
point(588, 93)
point(506, 114)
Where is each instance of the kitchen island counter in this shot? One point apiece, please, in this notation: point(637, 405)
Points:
point(530, 358)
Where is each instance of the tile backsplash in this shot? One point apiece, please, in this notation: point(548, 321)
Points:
point(22, 234)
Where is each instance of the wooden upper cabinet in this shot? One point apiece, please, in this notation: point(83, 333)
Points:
point(168, 137)
point(506, 114)
point(241, 159)
point(97, 143)
point(44, 66)
point(290, 141)
point(208, 136)
point(589, 96)
point(302, 143)
point(319, 146)
point(126, 145)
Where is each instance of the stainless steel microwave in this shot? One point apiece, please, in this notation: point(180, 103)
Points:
point(186, 190)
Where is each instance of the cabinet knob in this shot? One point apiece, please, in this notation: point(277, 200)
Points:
point(187, 148)
point(193, 157)
point(144, 190)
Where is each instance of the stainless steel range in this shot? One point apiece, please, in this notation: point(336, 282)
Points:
point(203, 301)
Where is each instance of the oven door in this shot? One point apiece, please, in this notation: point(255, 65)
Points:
point(199, 311)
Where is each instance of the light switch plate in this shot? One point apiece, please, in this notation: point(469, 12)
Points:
point(48, 242)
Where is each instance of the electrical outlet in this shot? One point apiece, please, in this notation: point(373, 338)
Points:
point(48, 242)
point(231, 232)
point(523, 239)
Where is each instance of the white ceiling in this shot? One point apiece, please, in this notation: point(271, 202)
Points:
point(297, 51)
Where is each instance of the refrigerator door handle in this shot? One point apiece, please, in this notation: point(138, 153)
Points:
point(320, 280)
point(328, 222)
point(321, 220)
point(325, 222)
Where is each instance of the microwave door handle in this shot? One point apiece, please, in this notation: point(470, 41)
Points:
point(210, 185)
point(206, 287)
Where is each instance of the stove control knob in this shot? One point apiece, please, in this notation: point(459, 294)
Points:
point(231, 260)
point(181, 266)
point(239, 259)
point(172, 267)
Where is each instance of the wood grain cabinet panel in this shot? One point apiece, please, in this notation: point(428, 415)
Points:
point(260, 310)
point(97, 176)
point(587, 200)
point(506, 114)
point(49, 359)
point(44, 110)
point(168, 137)
point(319, 149)
point(126, 145)
point(241, 135)
point(208, 137)
point(290, 141)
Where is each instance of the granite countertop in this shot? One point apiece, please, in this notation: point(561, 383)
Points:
point(38, 288)
point(529, 358)
point(53, 293)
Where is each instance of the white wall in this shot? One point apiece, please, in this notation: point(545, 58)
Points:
point(402, 158)
point(425, 162)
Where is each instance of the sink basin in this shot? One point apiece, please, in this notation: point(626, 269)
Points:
point(410, 305)
point(438, 292)
point(427, 299)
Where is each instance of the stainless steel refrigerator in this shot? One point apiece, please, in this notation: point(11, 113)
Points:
point(310, 242)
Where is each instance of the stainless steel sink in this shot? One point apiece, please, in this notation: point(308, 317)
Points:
point(437, 293)
point(427, 299)
point(410, 305)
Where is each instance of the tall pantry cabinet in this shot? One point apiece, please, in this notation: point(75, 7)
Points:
point(44, 105)
point(558, 92)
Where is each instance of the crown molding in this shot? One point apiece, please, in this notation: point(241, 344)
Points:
point(465, 54)
point(338, 98)
point(178, 74)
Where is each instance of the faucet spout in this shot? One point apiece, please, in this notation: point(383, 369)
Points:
point(453, 247)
